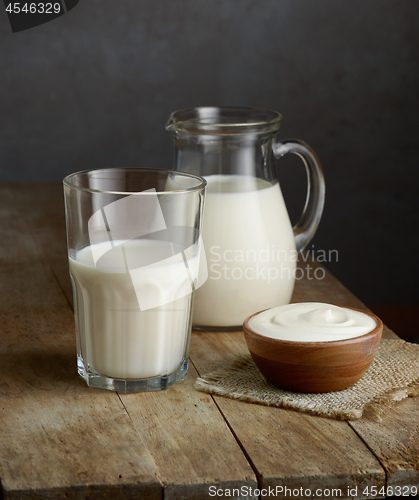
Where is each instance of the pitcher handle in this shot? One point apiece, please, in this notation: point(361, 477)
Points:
point(307, 225)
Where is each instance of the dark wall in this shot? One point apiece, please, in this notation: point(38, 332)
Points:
point(94, 88)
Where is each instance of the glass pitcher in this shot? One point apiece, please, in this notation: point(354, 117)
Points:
point(251, 248)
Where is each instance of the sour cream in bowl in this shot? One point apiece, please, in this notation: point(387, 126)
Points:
point(312, 346)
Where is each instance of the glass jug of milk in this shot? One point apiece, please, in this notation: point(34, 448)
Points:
point(251, 248)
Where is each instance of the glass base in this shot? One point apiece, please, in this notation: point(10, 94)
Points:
point(126, 386)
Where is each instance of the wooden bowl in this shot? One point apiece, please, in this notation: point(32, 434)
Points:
point(313, 366)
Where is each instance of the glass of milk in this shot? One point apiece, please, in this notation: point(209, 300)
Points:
point(134, 253)
point(251, 247)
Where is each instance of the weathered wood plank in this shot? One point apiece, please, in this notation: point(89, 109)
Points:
point(329, 290)
point(288, 448)
point(42, 208)
point(396, 442)
point(183, 429)
point(56, 437)
point(393, 441)
point(190, 442)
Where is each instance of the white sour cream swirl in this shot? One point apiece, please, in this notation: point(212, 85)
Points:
point(312, 322)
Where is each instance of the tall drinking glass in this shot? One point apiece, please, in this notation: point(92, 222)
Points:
point(134, 251)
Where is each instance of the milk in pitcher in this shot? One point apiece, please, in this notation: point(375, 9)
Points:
point(250, 251)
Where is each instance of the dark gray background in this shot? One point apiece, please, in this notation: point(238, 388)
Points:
point(94, 88)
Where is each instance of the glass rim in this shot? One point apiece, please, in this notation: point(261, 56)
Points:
point(201, 181)
point(204, 119)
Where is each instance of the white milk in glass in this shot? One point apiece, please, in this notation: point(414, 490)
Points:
point(132, 308)
point(250, 250)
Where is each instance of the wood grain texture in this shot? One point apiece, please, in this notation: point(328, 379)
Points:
point(57, 438)
point(61, 439)
point(95, 443)
point(394, 439)
point(287, 447)
point(395, 442)
point(192, 445)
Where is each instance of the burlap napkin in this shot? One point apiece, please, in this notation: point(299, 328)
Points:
point(391, 377)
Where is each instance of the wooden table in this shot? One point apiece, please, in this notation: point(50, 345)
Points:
point(61, 439)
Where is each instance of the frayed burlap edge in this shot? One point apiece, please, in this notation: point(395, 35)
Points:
point(392, 377)
point(375, 408)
